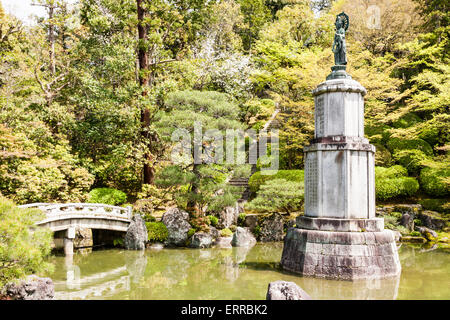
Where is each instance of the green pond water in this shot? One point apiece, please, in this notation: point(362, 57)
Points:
point(237, 273)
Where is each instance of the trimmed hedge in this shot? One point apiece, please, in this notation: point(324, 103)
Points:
point(433, 181)
point(107, 196)
point(411, 159)
point(396, 144)
point(258, 179)
point(392, 182)
point(157, 231)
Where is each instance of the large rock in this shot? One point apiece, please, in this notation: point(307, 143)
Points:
point(214, 232)
point(429, 234)
point(272, 228)
point(251, 221)
point(223, 242)
point(243, 238)
point(137, 234)
point(177, 224)
point(432, 220)
point(228, 216)
point(407, 221)
point(284, 290)
point(33, 288)
point(201, 240)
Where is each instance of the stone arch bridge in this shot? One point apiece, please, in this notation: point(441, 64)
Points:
point(66, 217)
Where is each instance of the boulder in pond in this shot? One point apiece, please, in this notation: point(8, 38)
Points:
point(201, 240)
point(223, 242)
point(177, 223)
point(32, 288)
point(285, 290)
point(242, 237)
point(137, 234)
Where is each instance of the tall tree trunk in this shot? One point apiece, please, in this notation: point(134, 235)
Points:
point(144, 82)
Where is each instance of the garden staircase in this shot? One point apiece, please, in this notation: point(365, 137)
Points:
point(243, 182)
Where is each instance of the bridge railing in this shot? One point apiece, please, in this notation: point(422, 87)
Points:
point(58, 211)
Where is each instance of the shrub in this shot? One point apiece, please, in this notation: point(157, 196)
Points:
point(435, 181)
point(107, 196)
point(226, 232)
point(390, 220)
point(191, 232)
point(411, 159)
point(382, 157)
point(23, 248)
point(213, 220)
point(278, 195)
point(258, 179)
point(157, 231)
point(391, 172)
point(241, 219)
point(415, 233)
point(391, 188)
point(396, 144)
point(439, 205)
point(392, 182)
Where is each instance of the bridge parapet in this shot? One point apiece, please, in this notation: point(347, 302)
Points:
point(55, 211)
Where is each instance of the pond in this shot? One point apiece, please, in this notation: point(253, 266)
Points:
point(233, 274)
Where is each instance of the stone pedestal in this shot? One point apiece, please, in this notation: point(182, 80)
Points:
point(339, 236)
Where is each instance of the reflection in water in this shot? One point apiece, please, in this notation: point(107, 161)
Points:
point(234, 273)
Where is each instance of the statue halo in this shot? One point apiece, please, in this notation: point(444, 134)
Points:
point(344, 18)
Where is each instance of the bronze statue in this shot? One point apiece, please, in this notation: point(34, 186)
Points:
point(339, 48)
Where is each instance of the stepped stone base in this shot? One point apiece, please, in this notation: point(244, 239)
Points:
point(332, 224)
point(341, 255)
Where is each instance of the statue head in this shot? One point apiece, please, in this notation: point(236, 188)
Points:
point(342, 21)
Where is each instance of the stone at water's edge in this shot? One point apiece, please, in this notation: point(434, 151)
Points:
point(137, 234)
point(223, 242)
point(285, 290)
point(201, 240)
point(341, 255)
point(429, 234)
point(177, 224)
point(243, 238)
point(33, 288)
point(272, 228)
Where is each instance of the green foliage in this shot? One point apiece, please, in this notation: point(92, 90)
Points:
point(396, 144)
point(241, 219)
point(392, 182)
point(439, 205)
point(257, 179)
point(191, 232)
point(435, 181)
point(157, 231)
point(213, 220)
point(278, 195)
point(415, 233)
point(107, 196)
point(23, 247)
point(412, 160)
point(226, 232)
point(257, 231)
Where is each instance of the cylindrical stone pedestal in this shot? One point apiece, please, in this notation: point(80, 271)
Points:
point(339, 236)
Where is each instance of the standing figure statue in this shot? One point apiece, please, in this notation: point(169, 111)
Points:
point(339, 48)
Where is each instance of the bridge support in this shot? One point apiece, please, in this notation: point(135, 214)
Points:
point(68, 241)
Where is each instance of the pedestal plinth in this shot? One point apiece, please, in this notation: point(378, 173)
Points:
point(339, 236)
